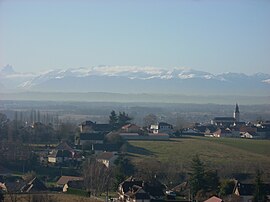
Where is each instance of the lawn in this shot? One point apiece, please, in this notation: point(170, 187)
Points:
point(227, 155)
point(50, 197)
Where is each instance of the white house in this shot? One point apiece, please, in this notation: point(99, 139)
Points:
point(107, 158)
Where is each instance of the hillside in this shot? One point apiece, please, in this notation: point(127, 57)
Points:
point(228, 156)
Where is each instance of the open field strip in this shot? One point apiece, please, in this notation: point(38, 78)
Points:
point(232, 155)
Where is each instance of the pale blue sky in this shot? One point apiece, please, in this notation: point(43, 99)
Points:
point(215, 36)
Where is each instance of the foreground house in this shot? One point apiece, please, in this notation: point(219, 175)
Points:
point(245, 191)
point(137, 194)
point(73, 184)
point(132, 190)
point(34, 186)
point(214, 199)
point(21, 186)
point(66, 182)
point(183, 190)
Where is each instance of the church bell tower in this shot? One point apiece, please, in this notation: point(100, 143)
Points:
point(236, 113)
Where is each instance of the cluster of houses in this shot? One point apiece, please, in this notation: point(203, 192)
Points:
point(232, 127)
point(136, 190)
point(240, 192)
point(14, 184)
point(92, 136)
point(131, 189)
point(95, 133)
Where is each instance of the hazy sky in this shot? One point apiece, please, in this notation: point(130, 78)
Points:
point(215, 36)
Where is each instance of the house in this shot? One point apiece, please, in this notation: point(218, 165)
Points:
point(222, 132)
point(245, 191)
point(18, 185)
point(190, 131)
point(244, 129)
point(183, 190)
point(138, 190)
point(93, 127)
point(214, 199)
point(98, 148)
point(137, 194)
point(251, 135)
point(131, 128)
point(125, 186)
point(73, 184)
point(43, 156)
point(63, 180)
point(107, 158)
point(90, 138)
point(223, 121)
point(12, 185)
point(207, 130)
point(161, 127)
point(34, 186)
point(59, 156)
point(62, 153)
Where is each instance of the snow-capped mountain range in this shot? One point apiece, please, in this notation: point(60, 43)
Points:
point(133, 79)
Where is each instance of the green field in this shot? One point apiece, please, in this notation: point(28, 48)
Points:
point(227, 155)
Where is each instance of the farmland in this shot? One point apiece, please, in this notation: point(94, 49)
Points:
point(227, 155)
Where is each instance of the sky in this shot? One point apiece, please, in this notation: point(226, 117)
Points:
point(214, 36)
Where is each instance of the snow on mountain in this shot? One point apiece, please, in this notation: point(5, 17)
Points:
point(6, 70)
point(135, 79)
point(11, 79)
point(266, 81)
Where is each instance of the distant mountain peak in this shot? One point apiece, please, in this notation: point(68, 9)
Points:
point(8, 69)
point(137, 79)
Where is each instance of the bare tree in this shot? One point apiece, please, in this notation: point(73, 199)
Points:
point(149, 169)
point(150, 119)
point(181, 123)
point(97, 177)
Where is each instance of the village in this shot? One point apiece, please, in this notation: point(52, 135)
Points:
point(92, 161)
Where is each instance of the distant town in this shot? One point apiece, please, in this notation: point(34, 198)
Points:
point(41, 154)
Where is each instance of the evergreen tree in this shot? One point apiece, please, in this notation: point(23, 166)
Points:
point(197, 175)
point(123, 169)
point(2, 198)
point(123, 119)
point(113, 119)
point(226, 187)
point(259, 192)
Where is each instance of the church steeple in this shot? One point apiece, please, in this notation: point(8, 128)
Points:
point(236, 113)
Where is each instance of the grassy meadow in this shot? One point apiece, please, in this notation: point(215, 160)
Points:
point(227, 155)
